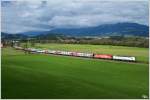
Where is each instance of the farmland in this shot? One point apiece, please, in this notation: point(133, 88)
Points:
point(141, 54)
point(53, 76)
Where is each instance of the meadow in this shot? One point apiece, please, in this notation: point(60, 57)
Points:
point(32, 76)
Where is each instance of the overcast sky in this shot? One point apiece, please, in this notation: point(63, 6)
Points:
point(23, 16)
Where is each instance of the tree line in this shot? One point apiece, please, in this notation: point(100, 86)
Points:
point(112, 40)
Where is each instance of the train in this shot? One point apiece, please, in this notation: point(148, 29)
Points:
point(78, 54)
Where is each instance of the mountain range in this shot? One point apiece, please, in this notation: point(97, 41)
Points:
point(132, 29)
point(121, 29)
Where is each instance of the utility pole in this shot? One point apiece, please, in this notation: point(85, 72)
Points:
point(25, 46)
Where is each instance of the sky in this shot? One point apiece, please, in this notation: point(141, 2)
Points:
point(23, 16)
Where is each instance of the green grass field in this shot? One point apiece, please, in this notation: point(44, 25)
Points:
point(51, 76)
point(141, 54)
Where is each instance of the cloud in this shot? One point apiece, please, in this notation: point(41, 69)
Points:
point(22, 16)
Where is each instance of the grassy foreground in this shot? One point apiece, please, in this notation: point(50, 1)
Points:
point(141, 54)
point(49, 76)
